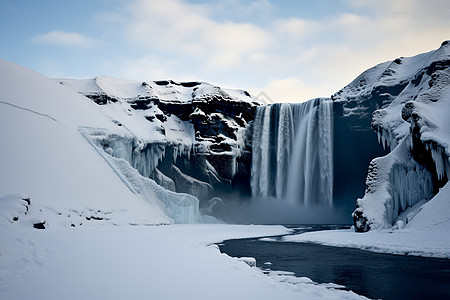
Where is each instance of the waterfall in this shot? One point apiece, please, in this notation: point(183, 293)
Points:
point(293, 152)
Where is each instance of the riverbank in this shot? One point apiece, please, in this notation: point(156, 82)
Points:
point(419, 234)
point(424, 243)
point(140, 262)
point(374, 275)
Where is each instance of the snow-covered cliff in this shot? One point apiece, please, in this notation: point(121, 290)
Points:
point(189, 137)
point(412, 97)
point(54, 169)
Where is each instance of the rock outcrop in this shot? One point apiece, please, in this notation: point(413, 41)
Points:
point(412, 96)
point(190, 137)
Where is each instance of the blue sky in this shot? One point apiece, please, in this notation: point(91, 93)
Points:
point(291, 50)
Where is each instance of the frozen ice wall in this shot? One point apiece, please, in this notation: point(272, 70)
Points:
point(395, 183)
point(410, 183)
point(293, 152)
point(135, 163)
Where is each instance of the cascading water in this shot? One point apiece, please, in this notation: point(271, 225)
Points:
point(293, 152)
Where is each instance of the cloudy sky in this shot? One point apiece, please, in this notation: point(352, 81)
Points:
point(293, 50)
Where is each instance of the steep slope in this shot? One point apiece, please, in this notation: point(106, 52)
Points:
point(188, 136)
point(413, 98)
point(53, 173)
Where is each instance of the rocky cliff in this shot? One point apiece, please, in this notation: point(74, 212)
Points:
point(410, 99)
point(190, 137)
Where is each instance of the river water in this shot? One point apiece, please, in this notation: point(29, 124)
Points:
point(374, 275)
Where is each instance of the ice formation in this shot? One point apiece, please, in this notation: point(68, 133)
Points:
point(179, 132)
point(441, 160)
point(387, 139)
point(293, 152)
point(412, 99)
point(410, 183)
point(135, 166)
point(395, 183)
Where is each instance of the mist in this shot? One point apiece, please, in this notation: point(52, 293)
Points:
point(270, 210)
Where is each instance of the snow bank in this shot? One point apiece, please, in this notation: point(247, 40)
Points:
point(408, 241)
point(159, 262)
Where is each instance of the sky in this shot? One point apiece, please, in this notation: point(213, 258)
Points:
point(292, 50)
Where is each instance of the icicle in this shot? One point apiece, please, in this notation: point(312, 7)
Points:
point(409, 184)
point(386, 138)
point(441, 160)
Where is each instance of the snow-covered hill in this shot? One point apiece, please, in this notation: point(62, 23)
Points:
point(412, 97)
point(53, 172)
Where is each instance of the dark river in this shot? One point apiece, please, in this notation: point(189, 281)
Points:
point(374, 275)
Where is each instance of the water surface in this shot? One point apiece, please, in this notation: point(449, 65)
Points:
point(374, 275)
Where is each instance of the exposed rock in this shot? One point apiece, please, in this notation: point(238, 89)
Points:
point(191, 137)
point(40, 225)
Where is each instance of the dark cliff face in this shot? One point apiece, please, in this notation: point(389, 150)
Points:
point(355, 145)
point(217, 123)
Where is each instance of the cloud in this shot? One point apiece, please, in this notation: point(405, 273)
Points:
point(150, 67)
point(291, 90)
point(296, 29)
point(415, 9)
point(243, 8)
point(187, 29)
point(290, 58)
point(63, 38)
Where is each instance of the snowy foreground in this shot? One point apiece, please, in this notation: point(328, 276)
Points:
point(141, 262)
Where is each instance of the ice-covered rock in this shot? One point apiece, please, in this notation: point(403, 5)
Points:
point(395, 183)
point(412, 121)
